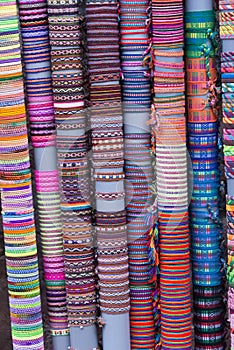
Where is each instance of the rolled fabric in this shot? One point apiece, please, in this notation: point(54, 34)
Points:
point(16, 192)
point(169, 128)
point(38, 85)
point(204, 207)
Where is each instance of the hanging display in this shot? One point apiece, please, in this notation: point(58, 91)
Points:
point(119, 103)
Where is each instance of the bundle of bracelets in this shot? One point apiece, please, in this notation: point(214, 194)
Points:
point(169, 129)
point(16, 192)
point(141, 215)
point(69, 75)
point(107, 163)
point(204, 207)
point(226, 22)
point(38, 84)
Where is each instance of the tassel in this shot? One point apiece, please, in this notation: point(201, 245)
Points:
point(153, 258)
point(151, 220)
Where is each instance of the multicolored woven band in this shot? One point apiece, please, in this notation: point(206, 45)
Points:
point(169, 132)
point(69, 74)
point(16, 191)
point(139, 172)
point(202, 99)
point(226, 22)
point(130, 221)
point(107, 157)
point(38, 83)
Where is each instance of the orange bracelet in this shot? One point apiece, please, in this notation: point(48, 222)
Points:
point(200, 76)
point(199, 64)
point(208, 115)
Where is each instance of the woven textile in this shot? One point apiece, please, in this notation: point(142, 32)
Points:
point(142, 231)
point(127, 190)
point(38, 82)
point(107, 155)
point(171, 167)
point(66, 25)
point(226, 21)
point(16, 191)
point(203, 149)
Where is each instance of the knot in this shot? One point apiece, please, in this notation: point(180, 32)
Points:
point(212, 87)
point(209, 32)
point(158, 345)
point(148, 11)
point(101, 322)
point(148, 61)
point(213, 94)
point(148, 75)
point(148, 49)
point(148, 56)
point(205, 50)
point(148, 22)
point(212, 36)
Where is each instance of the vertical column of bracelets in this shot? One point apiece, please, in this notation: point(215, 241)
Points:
point(230, 237)
point(203, 149)
point(142, 230)
point(226, 23)
point(69, 66)
point(171, 167)
point(107, 156)
point(38, 81)
point(16, 192)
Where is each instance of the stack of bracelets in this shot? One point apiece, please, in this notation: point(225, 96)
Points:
point(171, 167)
point(16, 192)
point(107, 162)
point(69, 67)
point(142, 230)
point(36, 54)
point(227, 72)
point(203, 149)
